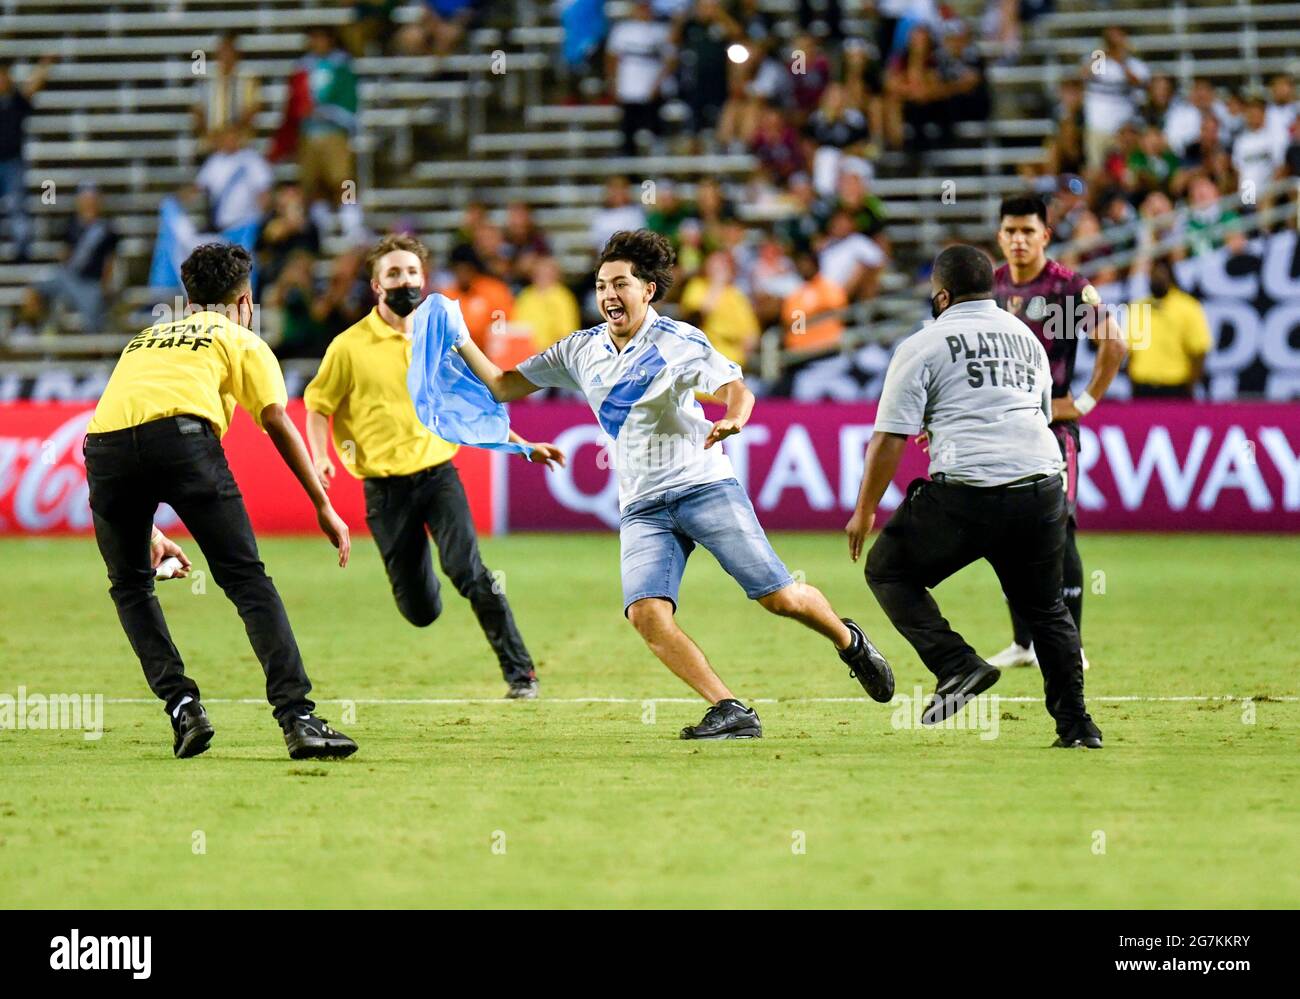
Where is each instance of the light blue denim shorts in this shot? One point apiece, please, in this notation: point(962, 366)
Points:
point(658, 534)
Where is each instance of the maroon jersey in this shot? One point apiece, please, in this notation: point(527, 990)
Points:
point(1060, 306)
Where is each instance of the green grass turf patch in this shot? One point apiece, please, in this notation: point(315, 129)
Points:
point(570, 803)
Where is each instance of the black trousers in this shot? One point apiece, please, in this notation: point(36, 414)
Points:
point(942, 527)
point(400, 509)
point(179, 461)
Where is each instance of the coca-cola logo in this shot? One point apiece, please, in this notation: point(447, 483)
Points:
point(43, 481)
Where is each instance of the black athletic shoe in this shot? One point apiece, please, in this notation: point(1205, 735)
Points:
point(525, 689)
point(1084, 735)
point(867, 665)
point(728, 719)
point(311, 738)
point(955, 692)
point(192, 730)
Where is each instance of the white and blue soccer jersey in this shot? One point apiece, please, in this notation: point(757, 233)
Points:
point(644, 398)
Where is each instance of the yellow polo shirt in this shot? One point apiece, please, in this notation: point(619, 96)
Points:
point(731, 326)
point(1178, 333)
point(202, 365)
point(362, 382)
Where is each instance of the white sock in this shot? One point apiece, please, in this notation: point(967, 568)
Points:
point(176, 711)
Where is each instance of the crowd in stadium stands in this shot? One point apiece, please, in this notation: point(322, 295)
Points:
point(815, 108)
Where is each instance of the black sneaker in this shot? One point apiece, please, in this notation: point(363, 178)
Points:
point(311, 738)
point(955, 692)
point(191, 729)
point(728, 719)
point(1084, 735)
point(523, 689)
point(867, 665)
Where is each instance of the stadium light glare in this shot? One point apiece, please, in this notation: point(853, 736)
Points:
point(737, 53)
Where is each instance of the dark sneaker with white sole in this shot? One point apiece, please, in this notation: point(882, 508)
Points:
point(525, 689)
point(1084, 735)
point(867, 665)
point(191, 729)
point(311, 738)
point(728, 719)
point(956, 692)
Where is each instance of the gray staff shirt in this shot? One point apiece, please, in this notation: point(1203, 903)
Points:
point(977, 381)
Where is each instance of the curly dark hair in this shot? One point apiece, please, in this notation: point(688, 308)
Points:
point(215, 273)
point(650, 254)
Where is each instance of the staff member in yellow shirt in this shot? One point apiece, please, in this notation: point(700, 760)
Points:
point(155, 438)
point(1168, 362)
point(411, 487)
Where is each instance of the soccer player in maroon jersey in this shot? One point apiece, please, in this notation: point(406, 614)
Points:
point(1061, 307)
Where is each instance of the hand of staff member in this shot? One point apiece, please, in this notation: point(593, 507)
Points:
point(883, 455)
point(289, 443)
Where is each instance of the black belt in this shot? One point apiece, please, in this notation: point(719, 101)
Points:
point(168, 425)
point(1023, 483)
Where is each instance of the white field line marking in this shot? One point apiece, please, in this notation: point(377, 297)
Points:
point(1121, 698)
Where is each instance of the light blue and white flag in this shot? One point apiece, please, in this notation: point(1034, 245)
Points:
point(449, 399)
point(177, 237)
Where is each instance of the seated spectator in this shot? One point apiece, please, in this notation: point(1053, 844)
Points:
point(1158, 223)
point(300, 312)
point(1183, 120)
point(802, 224)
point(547, 306)
point(474, 215)
point(490, 245)
point(1089, 245)
point(772, 279)
point(286, 228)
point(762, 81)
point(810, 75)
point(620, 212)
point(962, 73)
point(372, 24)
point(229, 95)
point(1065, 148)
point(862, 82)
point(834, 128)
point(1258, 153)
point(639, 58)
point(713, 302)
point(1070, 201)
point(804, 311)
point(1208, 222)
point(853, 195)
point(1152, 165)
point(668, 211)
point(84, 279)
point(236, 180)
point(849, 259)
point(442, 25)
point(1197, 154)
point(1167, 358)
point(915, 94)
point(483, 298)
point(524, 243)
point(777, 147)
point(1124, 144)
point(1282, 104)
point(1161, 98)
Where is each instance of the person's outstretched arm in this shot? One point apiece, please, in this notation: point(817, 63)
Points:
point(505, 386)
point(276, 422)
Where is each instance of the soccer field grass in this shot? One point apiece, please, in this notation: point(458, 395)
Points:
point(457, 798)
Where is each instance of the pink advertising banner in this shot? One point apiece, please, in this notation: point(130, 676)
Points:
point(1144, 466)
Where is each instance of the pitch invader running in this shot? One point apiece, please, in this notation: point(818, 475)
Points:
point(1061, 307)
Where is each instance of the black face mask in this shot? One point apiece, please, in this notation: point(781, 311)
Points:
point(403, 300)
point(1159, 289)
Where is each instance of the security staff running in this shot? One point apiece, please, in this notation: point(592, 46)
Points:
point(155, 438)
point(977, 381)
point(412, 488)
